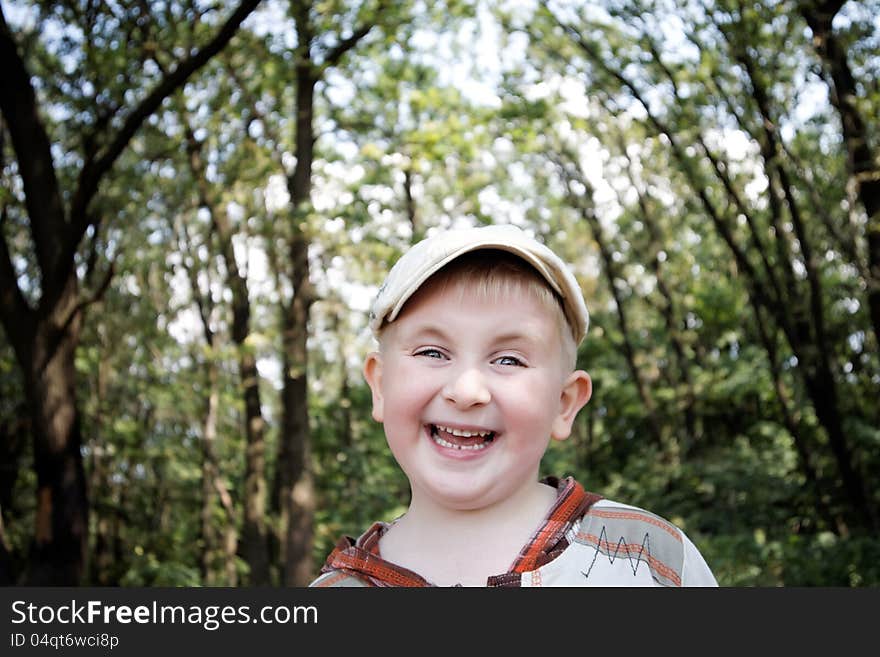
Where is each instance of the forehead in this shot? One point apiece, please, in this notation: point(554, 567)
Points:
point(488, 275)
point(495, 301)
point(456, 309)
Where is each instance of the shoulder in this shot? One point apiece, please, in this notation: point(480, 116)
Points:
point(354, 562)
point(635, 535)
point(339, 579)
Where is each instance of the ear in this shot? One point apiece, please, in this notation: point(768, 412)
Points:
point(576, 392)
point(373, 375)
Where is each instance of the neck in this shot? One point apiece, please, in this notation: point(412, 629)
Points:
point(529, 505)
point(455, 546)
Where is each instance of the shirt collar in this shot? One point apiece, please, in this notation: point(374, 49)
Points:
point(361, 557)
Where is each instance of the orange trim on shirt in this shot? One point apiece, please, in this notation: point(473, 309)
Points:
point(637, 550)
point(633, 515)
point(569, 506)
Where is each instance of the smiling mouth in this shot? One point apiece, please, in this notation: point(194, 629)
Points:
point(460, 439)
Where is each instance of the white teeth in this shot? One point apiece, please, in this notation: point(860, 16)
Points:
point(463, 434)
point(435, 436)
point(444, 443)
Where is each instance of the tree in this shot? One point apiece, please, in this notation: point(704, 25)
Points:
point(863, 161)
point(324, 36)
point(730, 89)
point(43, 314)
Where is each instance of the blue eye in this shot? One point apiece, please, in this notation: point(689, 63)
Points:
point(509, 360)
point(430, 353)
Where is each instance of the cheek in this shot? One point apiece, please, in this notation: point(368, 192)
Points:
point(533, 408)
point(534, 397)
point(406, 397)
point(403, 434)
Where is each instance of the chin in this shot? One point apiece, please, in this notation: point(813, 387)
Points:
point(464, 496)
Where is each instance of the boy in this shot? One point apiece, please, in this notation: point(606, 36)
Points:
point(475, 374)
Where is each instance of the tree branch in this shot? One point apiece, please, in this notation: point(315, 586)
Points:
point(335, 54)
point(91, 175)
point(84, 303)
point(15, 312)
point(345, 45)
point(31, 145)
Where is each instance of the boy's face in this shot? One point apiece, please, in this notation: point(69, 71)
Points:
point(495, 370)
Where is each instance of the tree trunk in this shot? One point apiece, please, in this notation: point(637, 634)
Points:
point(296, 490)
point(255, 536)
point(14, 433)
point(6, 574)
point(45, 339)
point(791, 422)
point(861, 161)
point(294, 480)
point(412, 215)
point(58, 553)
point(209, 476)
point(217, 545)
point(102, 562)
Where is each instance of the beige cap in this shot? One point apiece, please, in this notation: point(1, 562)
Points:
point(431, 254)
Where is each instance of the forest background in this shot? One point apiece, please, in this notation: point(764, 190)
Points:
point(200, 198)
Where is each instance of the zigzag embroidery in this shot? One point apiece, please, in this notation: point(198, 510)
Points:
point(613, 554)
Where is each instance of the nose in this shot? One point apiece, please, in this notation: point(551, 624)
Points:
point(467, 388)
